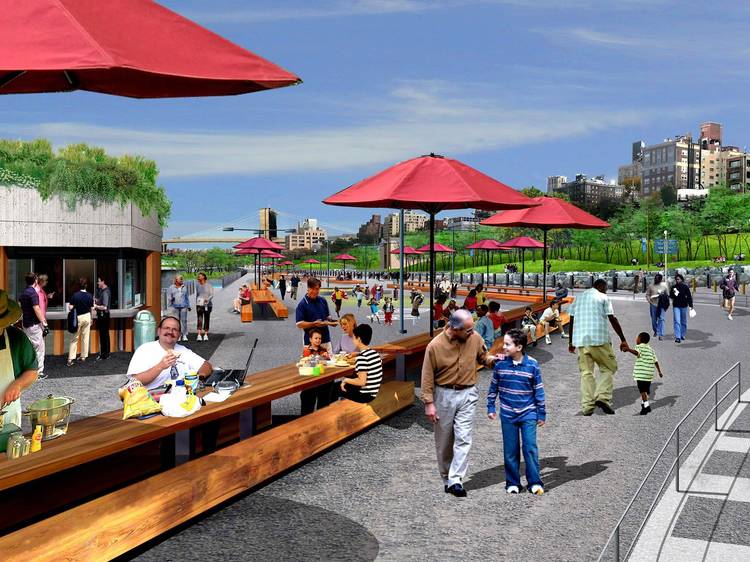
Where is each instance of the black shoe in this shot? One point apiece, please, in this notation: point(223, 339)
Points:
point(644, 411)
point(660, 338)
point(534, 344)
point(457, 490)
point(677, 340)
point(606, 408)
point(654, 333)
point(102, 357)
point(648, 409)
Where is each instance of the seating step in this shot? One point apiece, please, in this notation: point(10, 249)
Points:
point(280, 309)
point(120, 521)
point(247, 312)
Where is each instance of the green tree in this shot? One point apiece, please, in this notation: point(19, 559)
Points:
point(532, 191)
point(668, 195)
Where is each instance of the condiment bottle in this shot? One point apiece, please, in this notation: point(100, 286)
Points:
point(36, 439)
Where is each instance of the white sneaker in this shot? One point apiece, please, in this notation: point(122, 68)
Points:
point(199, 338)
point(564, 335)
point(537, 490)
point(205, 337)
point(730, 317)
point(549, 341)
point(512, 490)
point(184, 338)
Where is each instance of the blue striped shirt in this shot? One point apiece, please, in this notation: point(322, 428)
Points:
point(520, 388)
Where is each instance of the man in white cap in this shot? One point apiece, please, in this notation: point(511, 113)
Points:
point(18, 363)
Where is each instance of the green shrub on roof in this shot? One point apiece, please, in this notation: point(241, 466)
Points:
point(79, 172)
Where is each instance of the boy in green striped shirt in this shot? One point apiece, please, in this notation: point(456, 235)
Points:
point(643, 370)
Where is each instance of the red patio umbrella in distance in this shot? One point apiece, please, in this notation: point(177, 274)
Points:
point(408, 251)
point(133, 48)
point(488, 245)
point(549, 212)
point(522, 243)
point(311, 261)
point(344, 258)
point(255, 246)
point(432, 184)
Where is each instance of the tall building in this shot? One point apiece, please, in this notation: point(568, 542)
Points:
point(391, 225)
point(589, 192)
point(554, 183)
point(674, 162)
point(711, 132)
point(268, 223)
point(413, 221)
point(305, 239)
point(307, 224)
point(737, 167)
point(370, 231)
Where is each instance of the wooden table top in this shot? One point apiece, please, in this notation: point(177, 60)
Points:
point(263, 296)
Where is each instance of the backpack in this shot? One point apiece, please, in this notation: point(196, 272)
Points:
point(663, 302)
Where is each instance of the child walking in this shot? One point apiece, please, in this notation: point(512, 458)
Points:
point(373, 304)
point(643, 370)
point(388, 311)
point(517, 380)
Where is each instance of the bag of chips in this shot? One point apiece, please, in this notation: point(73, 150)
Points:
point(137, 401)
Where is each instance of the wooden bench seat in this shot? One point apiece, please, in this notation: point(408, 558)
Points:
point(246, 315)
point(115, 523)
point(280, 309)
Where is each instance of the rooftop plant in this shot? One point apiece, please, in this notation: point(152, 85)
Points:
point(79, 172)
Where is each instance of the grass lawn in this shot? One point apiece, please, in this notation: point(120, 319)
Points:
point(576, 265)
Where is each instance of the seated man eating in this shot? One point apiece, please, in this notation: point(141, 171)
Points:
point(157, 362)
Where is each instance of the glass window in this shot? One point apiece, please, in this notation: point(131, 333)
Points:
point(76, 270)
point(134, 283)
point(17, 270)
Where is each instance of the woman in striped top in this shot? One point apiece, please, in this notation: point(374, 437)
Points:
point(368, 368)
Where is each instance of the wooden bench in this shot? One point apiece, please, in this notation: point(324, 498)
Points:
point(246, 314)
point(129, 517)
point(280, 309)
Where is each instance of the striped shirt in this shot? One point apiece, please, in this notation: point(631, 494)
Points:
point(590, 312)
point(643, 370)
point(520, 388)
point(369, 360)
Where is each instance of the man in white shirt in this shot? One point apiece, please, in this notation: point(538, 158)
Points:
point(157, 362)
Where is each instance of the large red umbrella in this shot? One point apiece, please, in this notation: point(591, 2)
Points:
point(133, 48)
point(311, 261)
point(549, 212)
point(431, 183)
point(344, 258)
point(522, 243)
point(488, 245)
point(258, 245)
point(408, 251)
point(437, 247)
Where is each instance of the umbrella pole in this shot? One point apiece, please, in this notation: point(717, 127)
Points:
point(401, 260)
point(432, 270)
point(523, 266)
point(544, 267)
point(488, 267)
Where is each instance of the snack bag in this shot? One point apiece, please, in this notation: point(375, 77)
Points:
point(137, 401)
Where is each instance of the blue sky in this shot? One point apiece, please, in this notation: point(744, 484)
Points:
point(518, 89)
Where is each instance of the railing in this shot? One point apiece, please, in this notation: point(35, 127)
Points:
point(615, 538)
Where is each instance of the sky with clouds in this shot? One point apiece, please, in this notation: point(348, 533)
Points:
point(518, 89)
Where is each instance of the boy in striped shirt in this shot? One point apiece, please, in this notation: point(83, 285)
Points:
point(517, 379)
point(643, 370)
point(368, 368)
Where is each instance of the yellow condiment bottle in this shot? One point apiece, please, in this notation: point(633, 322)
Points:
point(36, 439)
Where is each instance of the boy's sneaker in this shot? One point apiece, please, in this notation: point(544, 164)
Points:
point(512, 490)
point(564, 335)
point(537, 490)
point(549, 341)
point(730, 317)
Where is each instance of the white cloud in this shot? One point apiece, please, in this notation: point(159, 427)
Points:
point(416, 118)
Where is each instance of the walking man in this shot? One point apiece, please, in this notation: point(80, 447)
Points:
point(102, 303)
point(449, 393)
point(295, 284)
point(590, 313)
point(729, 290)
point(33, 321)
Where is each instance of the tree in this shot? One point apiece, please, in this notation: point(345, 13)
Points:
point(668, 194)
point(532, 191)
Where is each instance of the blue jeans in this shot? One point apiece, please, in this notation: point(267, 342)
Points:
point(511, 452)
point(680, 322)
point(657, 319)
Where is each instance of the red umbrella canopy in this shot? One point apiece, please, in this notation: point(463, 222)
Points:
point(550, 212)
point(345, 257)
point(246, 252)
point(287, 262)
point(438, 248)
point(311, 260)
point(271, 254)
point(133, 48)
point(258, 243)
point(521, 242)
point(486, 244)
point(431, 183)
point(408, 251)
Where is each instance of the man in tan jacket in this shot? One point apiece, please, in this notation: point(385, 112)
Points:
point(449, 393)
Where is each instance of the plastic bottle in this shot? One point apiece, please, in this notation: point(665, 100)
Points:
point(179, 390)
point(36, 439)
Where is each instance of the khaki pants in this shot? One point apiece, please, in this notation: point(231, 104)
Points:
point(591, 389)
point(453, 431)
point(34, 334)
point(84, 329)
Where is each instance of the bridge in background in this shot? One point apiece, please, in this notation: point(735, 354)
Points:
point(201, 240)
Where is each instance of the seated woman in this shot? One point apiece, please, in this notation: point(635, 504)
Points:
point(316, 345)
point(368, 368)
point(244, 296)
point(345, 343)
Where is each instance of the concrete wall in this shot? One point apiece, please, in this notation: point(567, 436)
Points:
point(27, 220)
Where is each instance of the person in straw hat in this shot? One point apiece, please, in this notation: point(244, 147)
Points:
point(18, 364)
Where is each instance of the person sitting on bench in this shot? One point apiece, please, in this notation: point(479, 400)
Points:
point(244, 297)
point(550, 317)
point(368, 368)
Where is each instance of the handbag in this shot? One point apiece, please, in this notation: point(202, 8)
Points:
point(72, 321)
point(692, 313)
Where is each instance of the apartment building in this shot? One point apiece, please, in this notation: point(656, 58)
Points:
point(590, 192)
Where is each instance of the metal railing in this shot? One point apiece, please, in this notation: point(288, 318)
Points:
point(614, 538)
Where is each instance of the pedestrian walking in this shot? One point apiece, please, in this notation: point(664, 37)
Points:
point(83, 303)
point(33, 321)
point(294, 282)
point(517, 381)
point(338, 297)
point(388, 310)
point(450, 396)
point(657, 296)
point(102, 304)
point(643, 370)
point(682, 307)
point(178, 301)
point(638, 281)
point(204, 297)
point(590, 313)
point(282, 286)
point(729, 290)
point(359, 294)
point(373, 304)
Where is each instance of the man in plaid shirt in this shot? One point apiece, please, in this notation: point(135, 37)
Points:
point(590, 312)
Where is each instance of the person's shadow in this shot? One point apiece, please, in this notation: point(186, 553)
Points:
point(698, 340)
point(555, 472)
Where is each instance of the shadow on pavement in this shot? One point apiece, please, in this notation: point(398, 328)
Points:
point(555, 472)
point(698, 340)
point(406, 419)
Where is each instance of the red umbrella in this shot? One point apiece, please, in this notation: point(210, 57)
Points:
point(344, 258)
point(311, 261)
point(431, 183)
point(522, 243)
point(488, 245)
point(256, 246)
point(271, 254)
point(408, 251)
point(133, 48)
point(549, 213)
point(437, 247)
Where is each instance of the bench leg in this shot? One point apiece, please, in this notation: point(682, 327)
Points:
point(401, 367)
point(247, 422)
point(181, 447)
